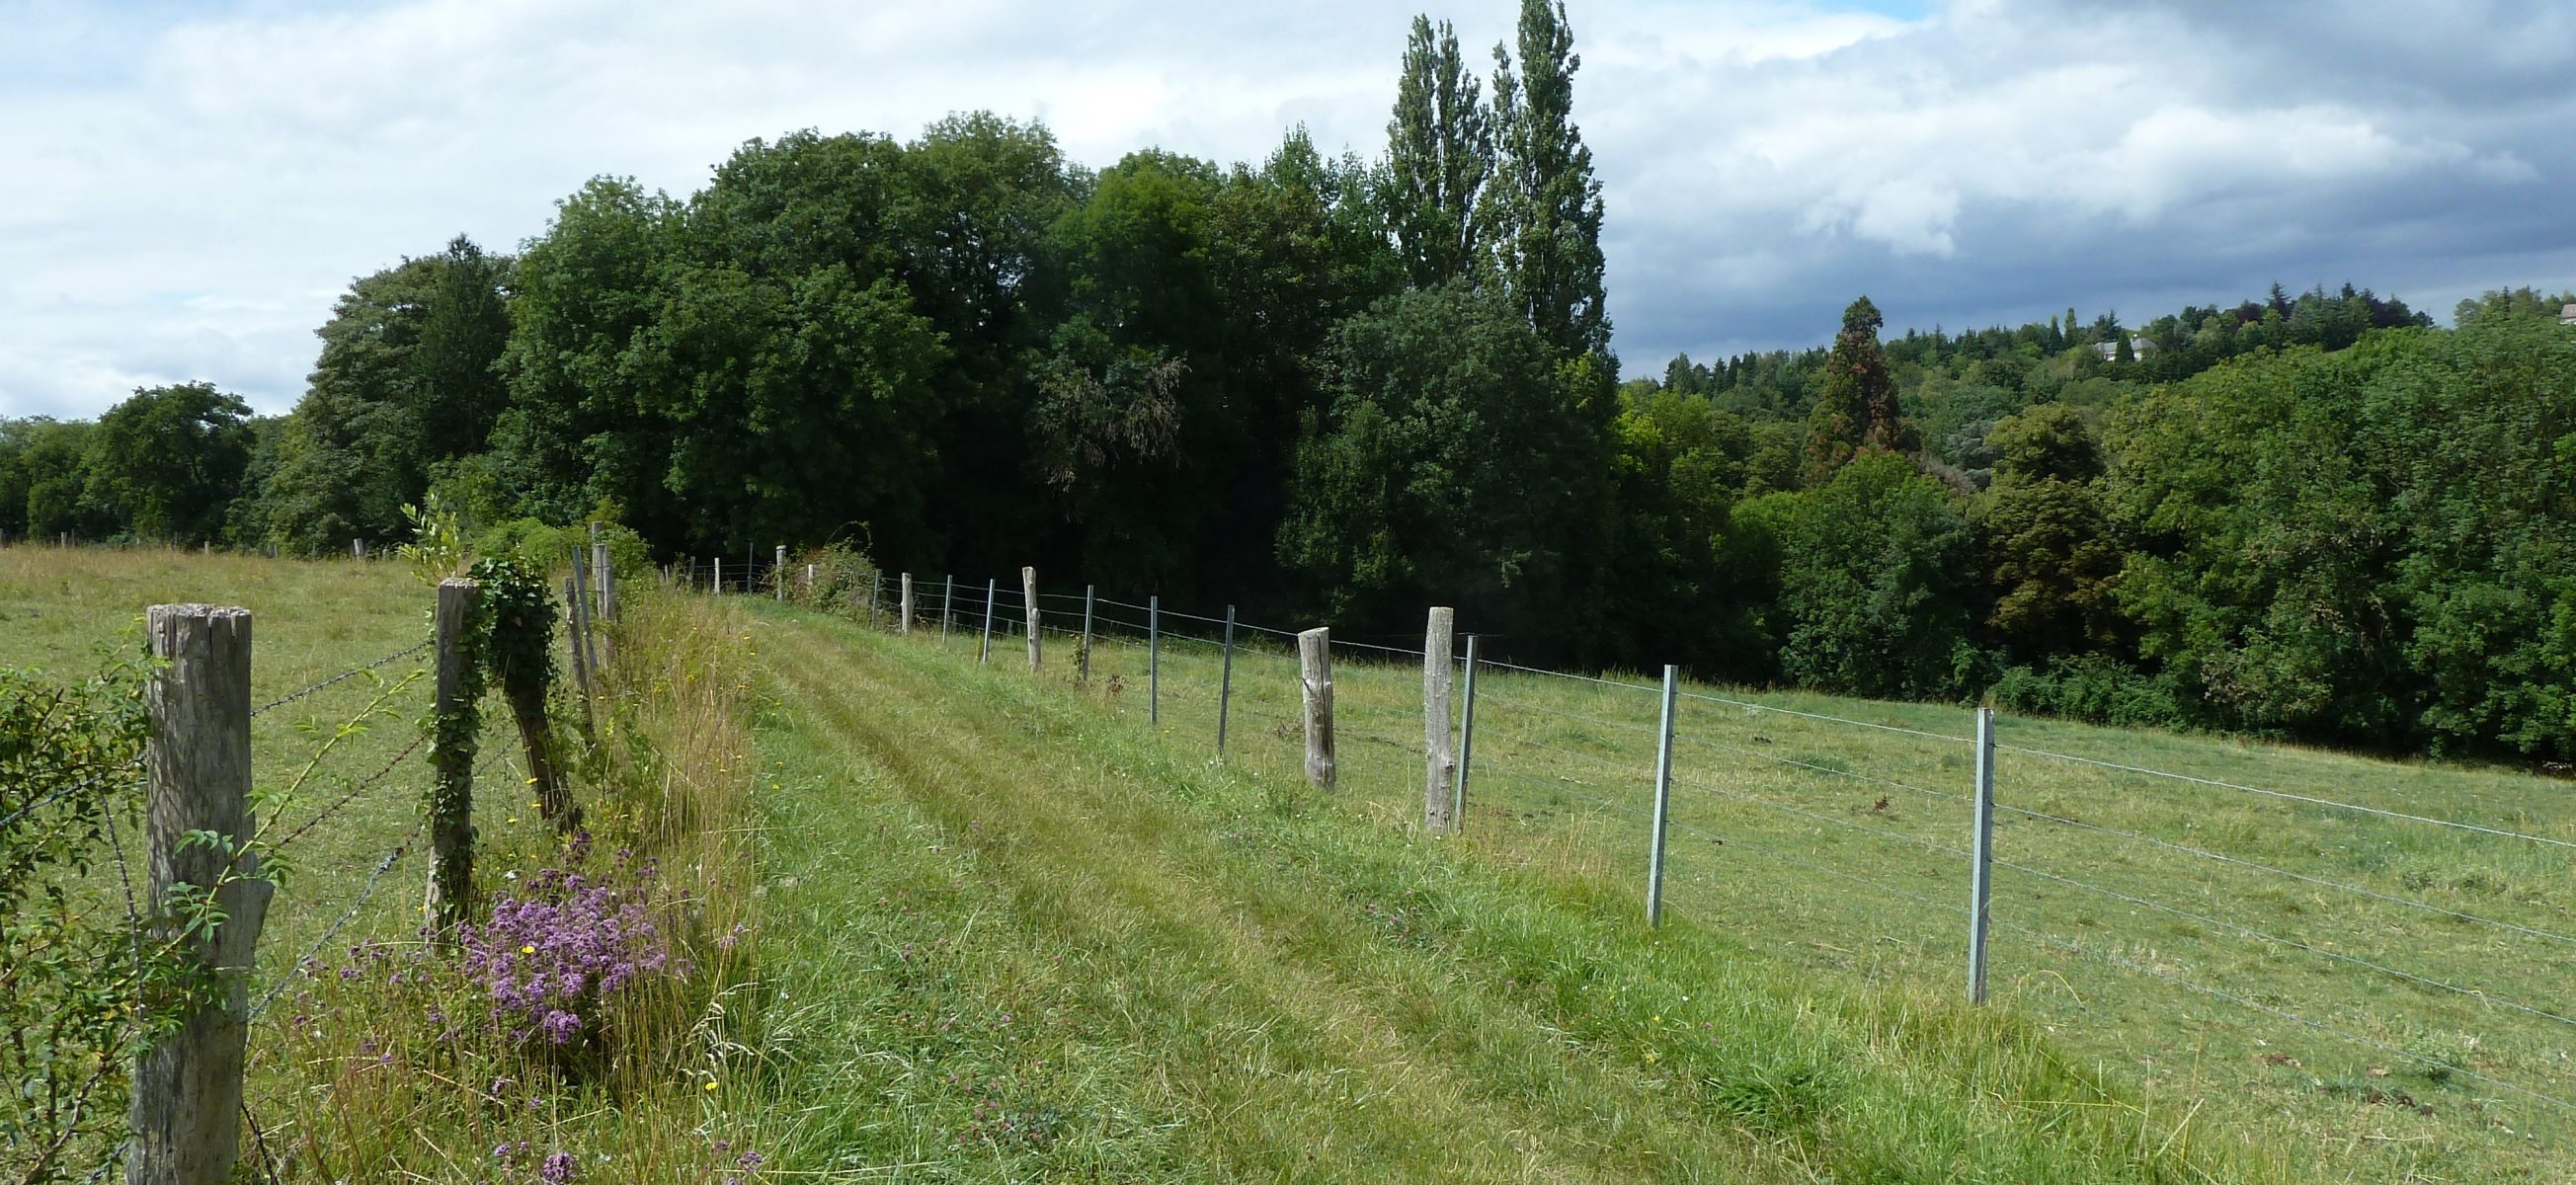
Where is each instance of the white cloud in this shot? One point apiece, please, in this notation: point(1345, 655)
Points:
point(188, 195)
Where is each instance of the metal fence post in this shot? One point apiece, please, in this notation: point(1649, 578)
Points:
point(947, 607)
point(1981, 875)
point(1663, 800)
point(1084, 658)
point(1225, 682)
point(1466, 740)
point(984, 654)
point(1153, 660)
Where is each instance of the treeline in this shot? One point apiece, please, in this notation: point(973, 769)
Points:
point(1341, 389)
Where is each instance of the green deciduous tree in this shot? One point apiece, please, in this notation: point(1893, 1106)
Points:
point(2045, 529)
point(1461, 463)
point(1876, 571)
point(168, 462)
point(406, 380)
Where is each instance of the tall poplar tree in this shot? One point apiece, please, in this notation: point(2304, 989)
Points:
point(1440, 152)
point(1542, 210)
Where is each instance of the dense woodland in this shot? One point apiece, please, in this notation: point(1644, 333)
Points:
point(1343, 389)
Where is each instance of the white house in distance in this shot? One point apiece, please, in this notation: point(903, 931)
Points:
point(2567, 315)
point(2140, 347)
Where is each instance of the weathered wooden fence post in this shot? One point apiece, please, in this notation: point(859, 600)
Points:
point(778, 572)
point(1154, 660)
point(1225, 683)
point(1663, 800)
point(603, 579)
point(1981, 873)
point(1315, 676)
point(1083, 656)
point(904, 624)
point(187, 1088)
point(572, 638)
point(1439, 763)
point(451, 759)
point(584, 619)
point(808, 589)
point(947, 606)
point(1466, 740)
point(715, 584)
point(603, 592)
point(525, 676)
point(1029, 599)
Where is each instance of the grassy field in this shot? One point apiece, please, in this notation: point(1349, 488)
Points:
point(1005, 928)
point(1840, 849)
point(1042, 942)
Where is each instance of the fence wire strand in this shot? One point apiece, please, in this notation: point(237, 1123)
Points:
point(2311, 800)
point(1750, 705)
point(342, 677)
point(355, 790)
point(109, 775)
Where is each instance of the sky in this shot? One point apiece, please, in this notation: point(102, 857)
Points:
point(186, 187)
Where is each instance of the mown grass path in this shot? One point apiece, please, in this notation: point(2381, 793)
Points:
point(1011, 936)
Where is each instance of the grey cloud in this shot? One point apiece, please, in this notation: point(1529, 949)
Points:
point(192, 190)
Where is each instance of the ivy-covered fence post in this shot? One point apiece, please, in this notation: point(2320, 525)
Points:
point(518, 651)
point(455, 730)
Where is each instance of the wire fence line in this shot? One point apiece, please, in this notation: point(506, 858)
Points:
point(1515, 733)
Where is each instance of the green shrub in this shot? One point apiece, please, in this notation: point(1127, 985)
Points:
point(2094, 689)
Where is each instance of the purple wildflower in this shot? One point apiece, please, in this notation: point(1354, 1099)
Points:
point(550, 961)
point(559, 1169)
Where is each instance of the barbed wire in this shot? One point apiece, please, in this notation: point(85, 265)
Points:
point(343, 676)
point(64, 792)
point(1484, 698)
point(365, 892)
point(1821, 817)
point(1496, 662)
point(355, 790)
point(2284, 794)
